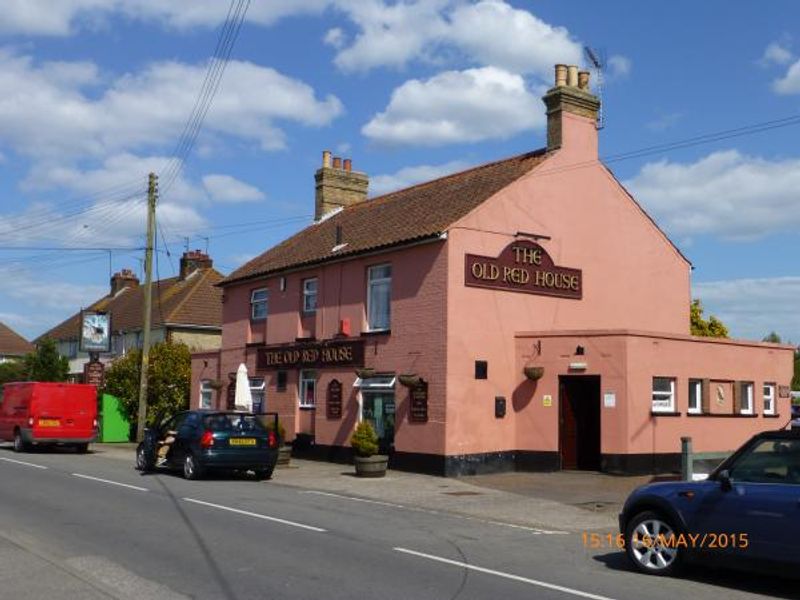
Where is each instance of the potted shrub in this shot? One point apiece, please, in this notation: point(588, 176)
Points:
point(284, 450)
point(365, 447)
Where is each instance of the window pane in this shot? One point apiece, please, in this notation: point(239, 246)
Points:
point(380, 272)
point(770, 461)
point(379, 305)
point(662, 384)
point(694, 395)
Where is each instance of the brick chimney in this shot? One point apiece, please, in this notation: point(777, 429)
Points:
point(338, 185)
point(123, 279)
point(571, 109)
point(193, 260)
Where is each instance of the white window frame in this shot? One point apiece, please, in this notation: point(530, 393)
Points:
point(660, 396)
point(373, 283)
point(746, 407)
point(310, 295)
point(769, 398)
point(259, 298)
point(206, 394)
point(259, 386)
point(697, 385)
point(306, 377)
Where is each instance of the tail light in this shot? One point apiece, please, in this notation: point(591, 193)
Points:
point(30, 421)
point(272, 439)
point(94, 423)
point(207, 440)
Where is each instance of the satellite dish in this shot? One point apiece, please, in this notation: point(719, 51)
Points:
point(597, 60)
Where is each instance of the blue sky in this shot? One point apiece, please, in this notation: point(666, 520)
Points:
point(95, 93)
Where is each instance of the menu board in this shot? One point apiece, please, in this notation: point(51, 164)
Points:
point(334, 404)
point(419, 403)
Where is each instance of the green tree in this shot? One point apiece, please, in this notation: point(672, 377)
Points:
point(12, 371)
point(796, 378)
point(168, 381)
point(712, 327)
point(772, 338)
point(45, 363)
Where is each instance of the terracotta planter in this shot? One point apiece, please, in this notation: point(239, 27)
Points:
point(371, 466)
point(284, 456)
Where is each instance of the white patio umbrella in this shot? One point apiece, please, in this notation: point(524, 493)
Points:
point(243, 400)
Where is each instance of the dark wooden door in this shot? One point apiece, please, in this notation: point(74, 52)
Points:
point(579, 422)
point(568, 434)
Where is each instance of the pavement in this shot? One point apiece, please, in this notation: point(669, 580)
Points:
point(565, 500)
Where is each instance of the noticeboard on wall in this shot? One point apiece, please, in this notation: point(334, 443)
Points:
point(334, 400)
point(419, 402)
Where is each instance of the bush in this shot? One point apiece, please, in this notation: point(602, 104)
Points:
point(281, 430)
point(364, 440)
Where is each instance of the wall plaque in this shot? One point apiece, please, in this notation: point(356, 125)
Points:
point(93, 373)
point(784, 391)
point(523, 266)
point(312, 355)
point(334, 407)
point(419, 402)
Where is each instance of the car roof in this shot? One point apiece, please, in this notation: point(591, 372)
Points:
point(791, 433)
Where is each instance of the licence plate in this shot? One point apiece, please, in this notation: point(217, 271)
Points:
point(49, 423)
point(242, 441)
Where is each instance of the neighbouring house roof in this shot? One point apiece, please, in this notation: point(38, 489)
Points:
point(416, 213)
point(195, 301)
point(12, 343)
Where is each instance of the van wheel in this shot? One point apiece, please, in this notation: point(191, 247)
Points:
point(81, 448)
point(20, 445)
point(191, 469)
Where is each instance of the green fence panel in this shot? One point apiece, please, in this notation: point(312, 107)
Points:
point(114, 426)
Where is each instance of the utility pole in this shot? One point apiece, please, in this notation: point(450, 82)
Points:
point(152, 196)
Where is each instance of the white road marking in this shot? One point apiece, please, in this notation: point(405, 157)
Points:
point(22, 462)
point(256, 515)
point(533, 530)
point(125, 485)
point(536, 582)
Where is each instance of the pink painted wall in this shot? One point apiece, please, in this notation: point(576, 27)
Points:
point(626, 363)
point(416, 343)
point(205, 365)
point(632, 277)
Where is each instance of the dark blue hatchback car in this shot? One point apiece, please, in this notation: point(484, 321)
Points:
point(745, 515)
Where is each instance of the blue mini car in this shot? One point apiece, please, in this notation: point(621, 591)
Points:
point(745, 515)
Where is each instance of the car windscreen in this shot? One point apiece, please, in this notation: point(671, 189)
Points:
point(233, 423)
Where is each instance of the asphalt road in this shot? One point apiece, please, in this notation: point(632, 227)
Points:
point(88, 526)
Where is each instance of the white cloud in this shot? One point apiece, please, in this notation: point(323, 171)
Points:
point(664, 121)
point(726, 194)
point(789, 83)
point(457, 106)
point(408, 176)
point(64, 17)
point(752, 308)
point(777, 53)
point(52, 110)
point(619, 66)
point(335, 37)
point(224, 188)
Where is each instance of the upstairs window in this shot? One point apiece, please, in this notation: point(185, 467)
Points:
point(663, 394)
point(379, 296)
point(258, 304)
point(310, 295)
point(769, 398)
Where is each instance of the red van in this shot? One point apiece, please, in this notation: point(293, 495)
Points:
point(35, 412)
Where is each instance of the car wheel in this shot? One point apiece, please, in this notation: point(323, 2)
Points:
point(191, 468)
point(262, 474)
point(20, 445)
point(650, 543)
point(142, 464)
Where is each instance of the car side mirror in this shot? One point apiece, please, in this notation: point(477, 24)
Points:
point(724, 479)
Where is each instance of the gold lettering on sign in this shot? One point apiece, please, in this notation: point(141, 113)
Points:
point(532, 256)
point(485, 271)
point(516, 275)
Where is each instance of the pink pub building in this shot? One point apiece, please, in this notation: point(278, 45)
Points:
point(524, 314)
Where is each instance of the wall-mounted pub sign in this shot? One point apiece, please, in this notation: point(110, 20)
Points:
point(419, 402)
point(523, 266)
point(312, 355)
point(334, 404)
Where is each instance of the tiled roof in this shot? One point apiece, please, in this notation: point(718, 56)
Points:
point(12, 343)
point(194, 301)
point(414, 213)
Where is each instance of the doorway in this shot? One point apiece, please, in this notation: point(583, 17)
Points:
point(378, 409)
point(579, 422)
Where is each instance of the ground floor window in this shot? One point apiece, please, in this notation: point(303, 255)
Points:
point(695, 396)
point(257, 388)
point(663, 394)
point(745, 398)
point(307, 389)
point(769, 398)
point(206, 393)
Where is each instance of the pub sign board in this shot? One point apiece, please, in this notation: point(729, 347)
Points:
point(419, 402)
point(94, 373)
point(334, 399)
point(523, 266)
point(312, 355)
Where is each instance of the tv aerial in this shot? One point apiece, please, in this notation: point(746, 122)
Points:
point(597, 59)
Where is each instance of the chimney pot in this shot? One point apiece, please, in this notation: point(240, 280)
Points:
point(123, 279)
point(348, 164)
point(572, 76)
point(583, 80)
point(326, 159)
point(337, 162)
point(192, 261)
point(561, 75)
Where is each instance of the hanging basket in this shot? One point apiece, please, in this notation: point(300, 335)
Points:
point(365, 372)
point(533, 373)
point(409, 379)
point(216, 384)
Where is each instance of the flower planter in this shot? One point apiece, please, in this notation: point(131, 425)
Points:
point(371, 466)
point(284, 456)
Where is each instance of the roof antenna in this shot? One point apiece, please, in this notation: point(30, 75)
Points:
point(203, 237)
point(597, 58)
